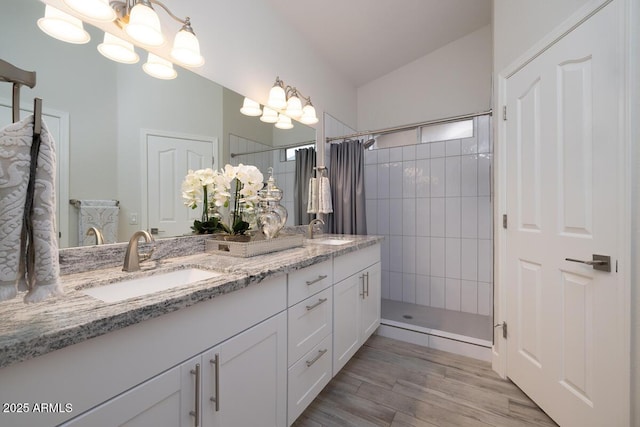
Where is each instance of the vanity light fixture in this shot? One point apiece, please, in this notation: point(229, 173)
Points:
point(137, 19)
point(159, 68)
point(284, 104)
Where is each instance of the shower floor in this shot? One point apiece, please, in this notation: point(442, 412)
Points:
point(437, 327)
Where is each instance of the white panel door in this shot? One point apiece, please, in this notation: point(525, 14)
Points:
point(168, 160)
point(566, 341)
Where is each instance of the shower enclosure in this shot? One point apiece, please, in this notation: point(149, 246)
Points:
point(429, 193)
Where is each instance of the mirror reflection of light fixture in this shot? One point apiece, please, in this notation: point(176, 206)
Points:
point(118, 50)
point(284, 104)
point(159, 68)
point(139, 21)
point(63, 26)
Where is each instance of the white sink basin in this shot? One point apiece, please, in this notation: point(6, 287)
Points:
point(119, 291)
point(330, 241)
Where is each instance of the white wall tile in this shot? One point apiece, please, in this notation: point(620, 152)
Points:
point(383, 181)
point(395, 180)
point(395, 154)
point(423, 178)
point(469, 145)
point(452, 256)
point(437, 180)
point(485, 299)
point(437, 149)
point(395, 254)
point(484, 177)
point(409, 178)
point(452, 176)
point(423, 290)
point(469, 217)
point(453, 216)
point(469, 170)
point(423, 255)
point(370, 157)
point(385, 284)
point(385, 258)
point(409, 288)
point(483, 134)
point(372, 216)
point(409, 152)
point(395, 286)
point(423, 217)
point(485, 260)
point(452, 147)
point(438, 216)
point(395, 217)
point(437, 257)
point(468, 296)
point(409, 217)
point(437, 294)
point(423, 151)
point(484, 218)
point(409, 254)
point(371, 181)
point(469, 263)
point(452, 294)
point(383, 216)
point(383, 155)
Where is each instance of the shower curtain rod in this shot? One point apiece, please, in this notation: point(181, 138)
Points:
point(282, 147)
point(409, 127)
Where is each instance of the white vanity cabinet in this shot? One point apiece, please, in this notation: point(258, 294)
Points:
point(356, 302)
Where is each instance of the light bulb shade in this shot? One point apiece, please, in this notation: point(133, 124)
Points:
point(277, 98)
point(269, 115)
point(294, 107)
point(186, 49)
point(309, 115)
point(144, 26)
point(250, 108)
point(62, 26)
point(98, 10)
point(284, 122)
point(118, 50)
point(159, 68)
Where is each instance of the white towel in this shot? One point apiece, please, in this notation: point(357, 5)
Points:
point(101, 214)
point(15, 159)
point(324, 196)
point(312, 204)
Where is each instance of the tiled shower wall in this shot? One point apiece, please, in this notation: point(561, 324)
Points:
point(432, 202)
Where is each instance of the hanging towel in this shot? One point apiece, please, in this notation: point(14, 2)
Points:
point(101, 214)
point(324, 196)
point(312, 205)
point(38, 274)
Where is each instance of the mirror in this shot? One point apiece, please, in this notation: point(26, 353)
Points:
point(104, 114)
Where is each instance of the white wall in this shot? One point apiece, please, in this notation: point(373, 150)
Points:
point(453, 80)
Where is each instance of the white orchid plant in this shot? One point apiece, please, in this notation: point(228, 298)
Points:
point(212, 190)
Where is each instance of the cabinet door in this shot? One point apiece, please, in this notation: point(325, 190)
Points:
point(370, 313)
point(252, 379)
point(346, 319)
point(155, 402)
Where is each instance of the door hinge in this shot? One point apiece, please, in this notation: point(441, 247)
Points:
point(504, 112)
point(504, 221)
point(502, 325)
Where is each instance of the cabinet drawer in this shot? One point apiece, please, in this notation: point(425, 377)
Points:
point(310, 280)
point(349, 264)
point(309, 322)
point(308, 377)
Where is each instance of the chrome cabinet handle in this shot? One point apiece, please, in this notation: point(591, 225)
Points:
point(216, 385)
point(367, 291)
point(362, 293)
point(320, 301)
point(599, 262)
point(315, 359)
point(311, 282)
point(196, 413)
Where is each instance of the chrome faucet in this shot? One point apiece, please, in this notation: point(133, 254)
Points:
point(310, 227)
point(132, 258)
point(96, 232)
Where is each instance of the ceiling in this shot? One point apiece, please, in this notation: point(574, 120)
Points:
point(366, 39)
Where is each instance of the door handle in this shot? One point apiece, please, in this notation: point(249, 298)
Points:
point(599, 262)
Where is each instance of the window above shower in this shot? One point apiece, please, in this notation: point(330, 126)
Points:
point(427, 134)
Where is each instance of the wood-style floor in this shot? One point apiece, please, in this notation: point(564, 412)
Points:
point(393, 383)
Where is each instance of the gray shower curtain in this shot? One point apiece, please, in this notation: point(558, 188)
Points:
point(347, 188)
point(305, 162)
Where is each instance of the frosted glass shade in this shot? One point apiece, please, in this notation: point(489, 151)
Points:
point(284, 122)
point(144, 26)
point(63, 26)
point(186, 49)
point(159, 68)
point(250, 108)
point(294, 107)
point(277, 98)
point(269, 115)
point(309, 115)
point(118, 50)
point(98, 10)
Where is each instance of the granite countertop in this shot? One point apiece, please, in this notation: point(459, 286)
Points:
point(28, 331)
